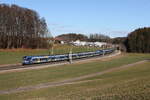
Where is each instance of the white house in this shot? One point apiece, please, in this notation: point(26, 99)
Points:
point(79, 43)
point(100, 44)
point(83, 43)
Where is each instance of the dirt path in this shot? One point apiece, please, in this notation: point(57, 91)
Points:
point(64, 82)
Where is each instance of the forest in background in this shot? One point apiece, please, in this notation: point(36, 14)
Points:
point(93, 37)
point(138, 41)
point(21, 28)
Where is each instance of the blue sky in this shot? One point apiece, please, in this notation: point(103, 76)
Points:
point(114, 18)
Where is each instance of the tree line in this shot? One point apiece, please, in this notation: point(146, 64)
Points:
point(139, 40)
point(72, 37)
point(21, 27)
point(94, 37)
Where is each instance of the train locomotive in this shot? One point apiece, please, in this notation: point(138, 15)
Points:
point(27, 60)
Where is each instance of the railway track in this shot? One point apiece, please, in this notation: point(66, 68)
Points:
point(19, 66)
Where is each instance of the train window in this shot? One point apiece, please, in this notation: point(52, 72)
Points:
point(62, 56)
point(43, 59)
point(35, 59)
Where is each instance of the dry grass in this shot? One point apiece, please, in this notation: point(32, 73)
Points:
point(125, 84)
point(129, 84)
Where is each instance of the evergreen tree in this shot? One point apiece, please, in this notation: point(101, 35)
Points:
point(139, 41)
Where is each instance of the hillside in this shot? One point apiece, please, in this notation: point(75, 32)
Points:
point(126, 83)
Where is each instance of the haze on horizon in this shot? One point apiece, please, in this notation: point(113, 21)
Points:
point(114, 18)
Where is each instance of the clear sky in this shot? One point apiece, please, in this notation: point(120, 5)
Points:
point(114, 18)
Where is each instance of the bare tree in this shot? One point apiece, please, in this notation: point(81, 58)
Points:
point(21, 27)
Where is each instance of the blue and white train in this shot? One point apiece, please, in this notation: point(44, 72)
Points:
point(55, 58)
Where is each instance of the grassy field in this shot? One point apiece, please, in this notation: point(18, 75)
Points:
point(18, 79)
point(15, 56)
point(129, 83)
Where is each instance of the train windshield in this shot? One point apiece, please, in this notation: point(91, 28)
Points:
point(26, 58)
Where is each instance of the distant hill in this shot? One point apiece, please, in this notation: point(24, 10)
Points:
point(119, 40)
point(72, 37)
